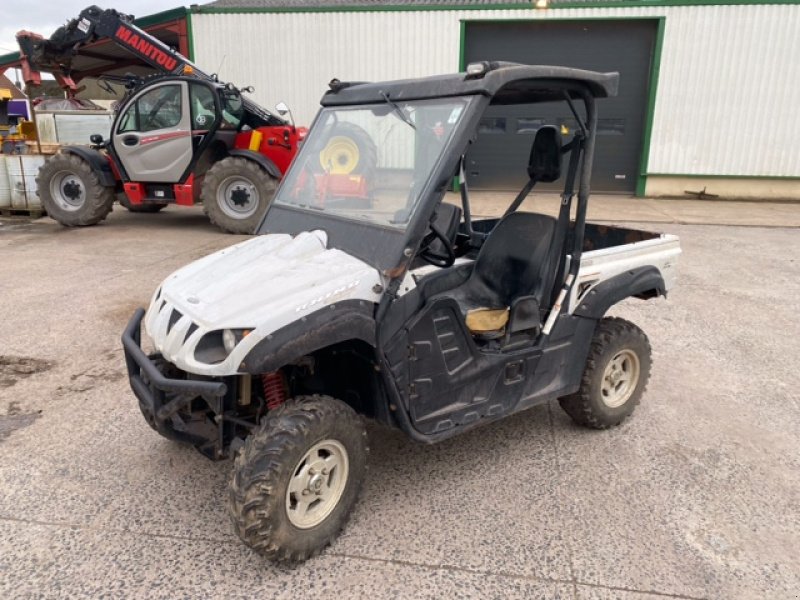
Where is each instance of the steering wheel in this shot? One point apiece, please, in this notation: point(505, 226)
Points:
point(434, 258)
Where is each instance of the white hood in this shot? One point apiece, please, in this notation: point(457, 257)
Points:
point(261, 285)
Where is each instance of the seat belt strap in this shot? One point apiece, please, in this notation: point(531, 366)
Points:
point(558, 244)
point(520, 197)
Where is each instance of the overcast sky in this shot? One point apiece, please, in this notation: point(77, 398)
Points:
point(44, 16)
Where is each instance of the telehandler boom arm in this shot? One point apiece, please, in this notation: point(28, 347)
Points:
point(55, 55)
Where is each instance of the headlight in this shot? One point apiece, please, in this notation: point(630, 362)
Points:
point(215, 346)
point(229, 340)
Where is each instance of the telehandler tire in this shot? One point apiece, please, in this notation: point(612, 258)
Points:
point(236, 194)
point(297, 478)
point(71, 192)
point(349, 151)
point(615, 377)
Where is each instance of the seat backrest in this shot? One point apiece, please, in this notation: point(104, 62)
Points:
point(544, 162)
point(516, 260)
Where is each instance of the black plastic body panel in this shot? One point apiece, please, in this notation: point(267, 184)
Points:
point(97, 160)
point(643, 281)
point(447, 383)
point(265, 163)
point(409, 304)
point(347, 320)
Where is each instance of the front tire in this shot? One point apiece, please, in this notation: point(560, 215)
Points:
point(71, 192)
point(615, 377)
point(298, 477)
point(236, 194)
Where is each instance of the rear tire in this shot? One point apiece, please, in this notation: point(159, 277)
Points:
point(297, 478)
point(147, 207)
point(236, 194)
point(615, 377)
point(71, 192)
point(349, 151)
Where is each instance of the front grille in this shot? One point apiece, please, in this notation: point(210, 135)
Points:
point(173, 318)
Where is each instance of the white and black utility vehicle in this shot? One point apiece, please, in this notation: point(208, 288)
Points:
point(395, 306)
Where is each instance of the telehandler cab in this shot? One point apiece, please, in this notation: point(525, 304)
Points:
point(402, 309)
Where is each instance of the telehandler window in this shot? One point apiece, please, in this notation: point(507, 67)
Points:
point(232, 109)
point(201, 100)
point(158, 108)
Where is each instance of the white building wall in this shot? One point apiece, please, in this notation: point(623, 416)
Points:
point(729, 82)
point(726, 102)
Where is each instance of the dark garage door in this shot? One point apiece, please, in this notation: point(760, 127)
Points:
point(497, 159)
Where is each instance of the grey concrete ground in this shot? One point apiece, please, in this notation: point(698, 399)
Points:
point(697, 496)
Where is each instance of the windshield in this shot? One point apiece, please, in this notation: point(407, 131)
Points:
point(370, 163)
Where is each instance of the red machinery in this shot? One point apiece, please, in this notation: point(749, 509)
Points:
point(178, 136)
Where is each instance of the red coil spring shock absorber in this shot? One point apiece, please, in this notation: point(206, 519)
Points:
point(274, 389)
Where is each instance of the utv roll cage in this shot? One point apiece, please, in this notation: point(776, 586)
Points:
point(504, 83)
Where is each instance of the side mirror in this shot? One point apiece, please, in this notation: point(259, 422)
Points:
point(96, 139)
point(544, 163)
point(283, 109)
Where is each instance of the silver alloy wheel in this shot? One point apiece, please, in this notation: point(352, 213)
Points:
point(238, 197)
point(317, 484)
point(620, 378)
point(68, 190)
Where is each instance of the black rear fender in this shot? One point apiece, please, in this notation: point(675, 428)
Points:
point(642, 282)
point(264, 162)
point(97, 160)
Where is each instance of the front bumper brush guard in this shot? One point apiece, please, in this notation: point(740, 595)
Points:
point(152, 391)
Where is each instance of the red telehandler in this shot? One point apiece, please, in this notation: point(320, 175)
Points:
point(178, 136)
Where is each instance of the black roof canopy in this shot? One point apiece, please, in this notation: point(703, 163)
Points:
point(504, 82)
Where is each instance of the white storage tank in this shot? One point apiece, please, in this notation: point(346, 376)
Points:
point(72, 127)
point(22, 171)
point(5, 186)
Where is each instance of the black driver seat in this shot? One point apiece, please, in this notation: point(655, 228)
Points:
point(516, 261)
